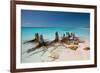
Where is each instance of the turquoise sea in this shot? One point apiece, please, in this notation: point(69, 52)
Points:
point(49, 32)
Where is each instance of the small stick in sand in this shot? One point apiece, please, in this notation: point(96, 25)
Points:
point(86, 48)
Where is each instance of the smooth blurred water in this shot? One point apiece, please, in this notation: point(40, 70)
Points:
point(49, 32)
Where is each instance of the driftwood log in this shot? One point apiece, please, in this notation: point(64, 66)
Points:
point(68, 39)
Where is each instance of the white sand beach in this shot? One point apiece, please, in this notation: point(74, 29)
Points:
point(67, 54)
point(60, 54)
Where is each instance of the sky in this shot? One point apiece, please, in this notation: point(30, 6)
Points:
point(36, 18)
